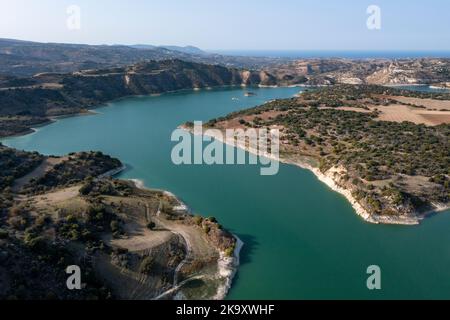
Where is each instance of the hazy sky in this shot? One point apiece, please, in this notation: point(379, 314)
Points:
point(234, 24)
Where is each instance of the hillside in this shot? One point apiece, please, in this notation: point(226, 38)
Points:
point(26, 58)
point(130, 243)
point(393, 171)
point(30, 101)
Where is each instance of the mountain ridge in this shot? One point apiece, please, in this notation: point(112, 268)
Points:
point(26, 58)
point(25, 102)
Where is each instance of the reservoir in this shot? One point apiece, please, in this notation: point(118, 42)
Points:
point(302, 240)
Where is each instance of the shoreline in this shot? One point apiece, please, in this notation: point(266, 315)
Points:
point(50, 120)
point(319, 175)
point(439, 88)
point(227, 267)
point(91, 110)
point(329, 180)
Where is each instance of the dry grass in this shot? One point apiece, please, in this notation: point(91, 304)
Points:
point(430, 104)
point(437, 119)
point(400, 113)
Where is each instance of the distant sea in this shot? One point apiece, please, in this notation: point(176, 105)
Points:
point(336, 54)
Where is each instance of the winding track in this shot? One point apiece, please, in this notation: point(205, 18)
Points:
point(189, 257)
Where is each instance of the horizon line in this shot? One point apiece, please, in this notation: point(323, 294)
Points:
point(231, 49)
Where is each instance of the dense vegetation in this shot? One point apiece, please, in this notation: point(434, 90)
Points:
point(72, 214)
point(15, 164)
point(339, 94)
point(34, 249)
point(33, 246)
point(35, 270)
point(75, 169)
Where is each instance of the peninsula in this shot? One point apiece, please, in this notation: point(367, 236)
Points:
point(385, 149)
point(130, 242)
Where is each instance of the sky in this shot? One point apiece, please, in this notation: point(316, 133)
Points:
point(233, 24)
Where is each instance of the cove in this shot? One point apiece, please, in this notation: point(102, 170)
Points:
point(302, 240)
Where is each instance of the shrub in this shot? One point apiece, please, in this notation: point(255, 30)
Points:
point(4, 234)
point(198, 220)
point(86, 188)
point(115, 226)
point(146, 265)
point(43, 220)
point(71, 219)
point(230, 251)
point(167, 208)
point(16, 211)
point(34, 242)
point(18, 223)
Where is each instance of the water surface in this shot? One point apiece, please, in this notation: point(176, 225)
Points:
point(302, 240)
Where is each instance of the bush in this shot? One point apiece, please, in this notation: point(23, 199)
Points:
point(34, 242)
point(146, 265)
point(71, 219)
point(115, 226)
point(86, 188)
point(151, 225)
point(229, 252)
point(16, 211)
point(198, 220)
point(167, 208)
point(43, 220)
point(4, 234)
point(18, 223)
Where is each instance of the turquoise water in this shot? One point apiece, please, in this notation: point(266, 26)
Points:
point(302, 241)
point(424, 88)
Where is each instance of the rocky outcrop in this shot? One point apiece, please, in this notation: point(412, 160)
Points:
point(367, 71)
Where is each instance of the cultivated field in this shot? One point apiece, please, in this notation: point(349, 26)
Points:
point(400, 113)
